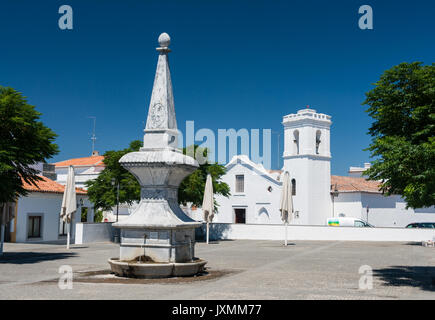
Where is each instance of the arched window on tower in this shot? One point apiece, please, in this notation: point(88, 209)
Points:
point(296, 141)
point(318, 134)
point(293, 187)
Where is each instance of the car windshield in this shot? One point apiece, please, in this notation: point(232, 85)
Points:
point(359, 223)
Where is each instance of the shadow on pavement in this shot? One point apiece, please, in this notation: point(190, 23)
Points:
point(216, 232)
point(414, 244)
point(33, 257)
point(211, 241)
point(416, 276)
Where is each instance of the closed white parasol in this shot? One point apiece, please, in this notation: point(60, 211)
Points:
point(69, 202)
point(208, 203)
point(286, 203)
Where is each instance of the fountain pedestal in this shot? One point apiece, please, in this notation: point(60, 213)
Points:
point(158, 228)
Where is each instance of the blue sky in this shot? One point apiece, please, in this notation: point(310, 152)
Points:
point(235, 64)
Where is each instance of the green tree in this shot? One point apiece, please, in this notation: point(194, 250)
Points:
point(192, 187)
point(402, 105)
point(98, 216)
point(24, 141)
point(103, 194)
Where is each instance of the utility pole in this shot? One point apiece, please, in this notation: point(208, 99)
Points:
point(93, 137)
point(117, 202)
point(334, 194)
point(117, 196)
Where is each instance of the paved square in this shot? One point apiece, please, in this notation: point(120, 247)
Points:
point(254, 270)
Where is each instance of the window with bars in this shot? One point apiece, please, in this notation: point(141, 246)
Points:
point(240, 183)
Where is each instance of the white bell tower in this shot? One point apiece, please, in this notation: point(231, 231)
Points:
point(307, 157)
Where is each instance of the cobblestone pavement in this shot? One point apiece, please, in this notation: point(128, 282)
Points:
point(242, 269)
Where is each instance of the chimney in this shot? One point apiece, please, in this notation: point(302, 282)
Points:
point(49, 171)
point(95, 153)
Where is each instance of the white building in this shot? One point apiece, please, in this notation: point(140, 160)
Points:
point(362, 199)
point(255, 194)
point(37, 215)
point(255, 191)
point(86, 168)
point(358, 171)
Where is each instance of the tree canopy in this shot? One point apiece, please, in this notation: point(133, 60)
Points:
point(192, 187)
point(402, 105)
point(103, 194)
point(24, 141)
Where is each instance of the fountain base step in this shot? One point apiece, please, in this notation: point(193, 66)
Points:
point(152, 270)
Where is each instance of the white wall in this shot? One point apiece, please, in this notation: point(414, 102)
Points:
point(383, 211)
point(48, 206)
point(124, 212)
point(82, 174)
point(93, 232)
point(391, 211)
point(277, 232)
point(256, 199)
point(313, 180)
point(349, 204)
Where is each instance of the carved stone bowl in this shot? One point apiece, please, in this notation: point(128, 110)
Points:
point(153, 270)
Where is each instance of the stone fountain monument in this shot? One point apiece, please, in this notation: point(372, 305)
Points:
point(158, 231)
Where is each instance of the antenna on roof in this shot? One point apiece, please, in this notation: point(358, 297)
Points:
point(93, 137)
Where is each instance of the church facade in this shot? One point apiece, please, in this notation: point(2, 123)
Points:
point(317, 195)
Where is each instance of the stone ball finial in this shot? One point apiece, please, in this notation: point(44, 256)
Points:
point(164, 40)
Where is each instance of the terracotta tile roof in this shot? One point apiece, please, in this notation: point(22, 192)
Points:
point(48, 185)
point(86, 161)
point(275, 171)
point(354, 184)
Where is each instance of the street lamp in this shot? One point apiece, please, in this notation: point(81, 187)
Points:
point(367, 210)
point(334, 194)
point(80, 205)
point(117, 196)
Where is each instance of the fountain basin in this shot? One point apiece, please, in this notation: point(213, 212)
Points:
point(152, 270)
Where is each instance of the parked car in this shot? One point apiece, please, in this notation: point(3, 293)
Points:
point(347, 222)
point(428, 225)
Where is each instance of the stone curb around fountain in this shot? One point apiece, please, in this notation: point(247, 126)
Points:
point(156, 270)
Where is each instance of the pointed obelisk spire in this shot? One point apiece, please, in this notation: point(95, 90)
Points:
point(161, 127)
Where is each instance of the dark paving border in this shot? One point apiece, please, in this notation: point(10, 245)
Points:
point(91, 277)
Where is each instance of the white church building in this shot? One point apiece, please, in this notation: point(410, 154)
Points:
point(255, 191)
